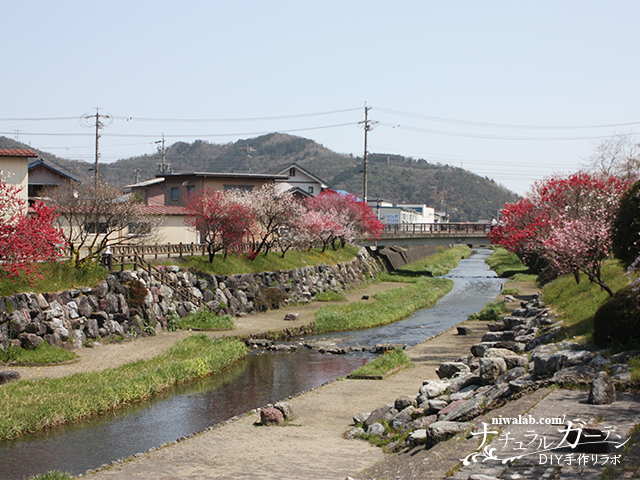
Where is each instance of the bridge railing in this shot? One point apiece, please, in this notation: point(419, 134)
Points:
point(437, 228)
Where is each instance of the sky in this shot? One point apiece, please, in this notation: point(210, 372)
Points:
point(512, 90)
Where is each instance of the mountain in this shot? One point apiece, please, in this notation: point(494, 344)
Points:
point(464, 195)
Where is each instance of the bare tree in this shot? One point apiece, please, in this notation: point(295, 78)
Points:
point(94, 217)
point(618, 156)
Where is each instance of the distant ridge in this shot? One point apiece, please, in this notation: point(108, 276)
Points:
point(464, 195)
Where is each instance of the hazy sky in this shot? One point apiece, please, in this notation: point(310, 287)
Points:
point(469, 83)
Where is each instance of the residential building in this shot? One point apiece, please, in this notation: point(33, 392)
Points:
point(299, 181)
point(42, 175)
point(14, 164)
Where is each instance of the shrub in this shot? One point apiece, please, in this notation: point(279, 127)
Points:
point(617, 322)
point(490, 312)
point(269, 298)
point(136, 293)
point(624, 236)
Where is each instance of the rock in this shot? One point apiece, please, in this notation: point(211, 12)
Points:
point(271, 416)
point(365, 297)
point(545, 365)
point(402, 419)
point(491, 368)
point(433, 388)
point(9, 376)
point(258, 343)
point(570, 357)
point(436, 404)
point(591, 440)
point(466, 410)
point(420, 423)
point(442, 430)
point(360, 417)
point(480, 476)
point(286, 409)
point(403, 402)
point(376, 430)
point(418, 436)
point(29, 340)
point(464, 330)
point(603, 390)
point(291, 316)
point(623, 357)
point(379, 414)
point(464, 394)
point(576, 375)
point(510, 375)
point(462, 381)
point(355, 432)
point(499, 336)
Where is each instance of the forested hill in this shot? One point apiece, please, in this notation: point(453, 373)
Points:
point(464, 195)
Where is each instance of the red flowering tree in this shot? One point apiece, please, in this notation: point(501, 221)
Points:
point(351, 217)
point(566, 221)
point(25, 239)
point(222, 219)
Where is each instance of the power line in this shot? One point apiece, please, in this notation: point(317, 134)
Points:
point(503, 125)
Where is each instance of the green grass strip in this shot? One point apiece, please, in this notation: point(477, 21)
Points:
point(382, 365)
point(31, 405)
point(433, 266)
point(505, 263)
point(386, 307)
point(43, 354)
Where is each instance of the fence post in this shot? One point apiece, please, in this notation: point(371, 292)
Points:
point(180, 247)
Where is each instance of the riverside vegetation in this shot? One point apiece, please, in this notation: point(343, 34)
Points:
point(31, 405)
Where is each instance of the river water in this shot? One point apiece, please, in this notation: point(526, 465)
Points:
point(259, 379)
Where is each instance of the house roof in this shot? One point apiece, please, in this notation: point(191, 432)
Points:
point(163, 210)
point(228, 175)
point(17, 152)
point(146, 183)
point(284, 170)
point(50, 167)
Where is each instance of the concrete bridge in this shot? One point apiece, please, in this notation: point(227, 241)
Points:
point(431, 234)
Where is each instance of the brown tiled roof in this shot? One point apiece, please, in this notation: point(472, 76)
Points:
point(163, 210)
point(16, 152)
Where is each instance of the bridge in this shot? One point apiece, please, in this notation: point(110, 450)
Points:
point(431, 234)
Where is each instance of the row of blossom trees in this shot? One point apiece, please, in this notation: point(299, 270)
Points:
point(564, 222)
point(266, 218)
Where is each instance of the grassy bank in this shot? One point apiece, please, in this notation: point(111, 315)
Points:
point(382, 365)
point(43, 354)
point(28, 406)
point(433, 266)
point(576, 303)
point(235, 264)
point(393, 305)
point(505, 263)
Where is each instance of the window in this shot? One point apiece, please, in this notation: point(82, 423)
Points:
point(292, 172)
point(191, 191)
point(139, 228)
point(311, 190)
point(174, 194)
point(92, 228)
point(240, 188)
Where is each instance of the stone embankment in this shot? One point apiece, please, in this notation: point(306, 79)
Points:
point(132, 303)
point(516, 356)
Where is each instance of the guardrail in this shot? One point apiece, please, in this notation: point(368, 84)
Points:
point(436, 228)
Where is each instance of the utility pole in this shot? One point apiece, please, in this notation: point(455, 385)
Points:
point(368, 125)
point(99, 121)
point(163, 167)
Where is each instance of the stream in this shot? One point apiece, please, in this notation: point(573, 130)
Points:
point(261, 378)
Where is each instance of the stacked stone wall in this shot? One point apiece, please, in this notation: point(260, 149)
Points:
point(77, 317)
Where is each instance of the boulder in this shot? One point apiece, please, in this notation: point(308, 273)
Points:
point(491, 368)
point(9, 376)
point(464, 330)
point(433, 388)
point(403, 402)
point(29, 340)
point(271, 416)
point(462, 381)
point(545, 365)
point(603, 390)
point(286, 409)
point(402, 419)
point(376, 430)
point(378, 414)
point(360, 417)
point(442, 430)
point(355, 432)
point(449, 369)
point(420, 423)
point(466, 410)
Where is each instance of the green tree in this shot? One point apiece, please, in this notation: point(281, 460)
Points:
point(626, 226)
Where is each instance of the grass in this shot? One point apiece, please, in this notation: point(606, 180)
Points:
point(382, 365)
point(53, 475)
point(53, 277)
point(505, 263)
point(511, 291)
point(235, 264)
point(205, 320)
point(30, 405)
point(492, 312)
point(433, 266)
point(576, 303)
point(42, 354)
point(396, 304)
point(330, 296)
point(389, 306)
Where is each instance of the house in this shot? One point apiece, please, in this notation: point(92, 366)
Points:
point(390, 213)
point(43, 175)
point(178, 186)
point(151, 191)
point(14, 164)
point(299, 181)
